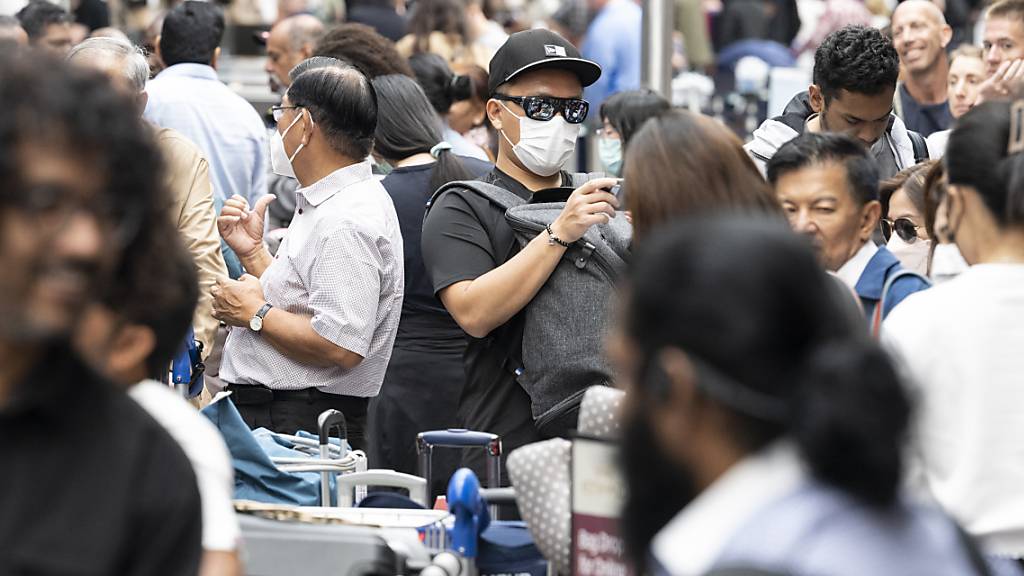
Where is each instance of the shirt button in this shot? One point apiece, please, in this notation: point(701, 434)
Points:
point(300, 210)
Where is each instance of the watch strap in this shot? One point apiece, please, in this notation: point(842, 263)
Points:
point(264, 309)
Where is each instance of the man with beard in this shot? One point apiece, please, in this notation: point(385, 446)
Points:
point(788, 462)
point(90, 483)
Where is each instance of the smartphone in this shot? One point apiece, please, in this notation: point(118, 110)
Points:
point(551, 195)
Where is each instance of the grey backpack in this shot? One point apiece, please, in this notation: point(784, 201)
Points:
point(566, 322)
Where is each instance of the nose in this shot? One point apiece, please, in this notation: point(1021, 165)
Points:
point(81, 238)
point(960, 90)
point(802, 222)
point(992, 56)
point(268, 66)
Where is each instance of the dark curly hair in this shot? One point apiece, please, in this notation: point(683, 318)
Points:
point(74, 111)
point(363, 48)
point(857, 59)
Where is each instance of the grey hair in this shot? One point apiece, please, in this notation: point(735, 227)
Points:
point(135, 66)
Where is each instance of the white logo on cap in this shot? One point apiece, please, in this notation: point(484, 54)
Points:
point(552, 50)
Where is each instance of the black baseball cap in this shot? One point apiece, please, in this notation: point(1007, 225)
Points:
point(536, 50)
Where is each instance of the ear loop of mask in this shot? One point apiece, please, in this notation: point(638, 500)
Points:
point(290, 126)
point(502, 130)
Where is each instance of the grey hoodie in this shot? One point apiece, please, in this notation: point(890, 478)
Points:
point(895, 144)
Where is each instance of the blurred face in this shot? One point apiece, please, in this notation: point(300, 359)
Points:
point(818, 202)
point(863, 116)
point(56, 39)
point(1003, 40)
point(965, 77)
point(113, 348)
point(919, 35)
point(465, 115)
point(55, 245)
point(14, 34)
point(281, 58)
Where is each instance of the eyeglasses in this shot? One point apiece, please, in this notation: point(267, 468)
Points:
point(278, 111)
point(52, 207)
point(544, 108)
point(903, 227)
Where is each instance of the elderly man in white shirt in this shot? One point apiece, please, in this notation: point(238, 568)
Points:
point(313, 327)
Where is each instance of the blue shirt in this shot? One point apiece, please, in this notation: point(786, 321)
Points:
point(192, 100)
point(613, 41)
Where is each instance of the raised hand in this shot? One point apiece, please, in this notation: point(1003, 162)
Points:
point(241, 227)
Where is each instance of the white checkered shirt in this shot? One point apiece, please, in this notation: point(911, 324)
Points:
point(341, 264)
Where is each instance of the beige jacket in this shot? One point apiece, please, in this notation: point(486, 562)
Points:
point(193, 212)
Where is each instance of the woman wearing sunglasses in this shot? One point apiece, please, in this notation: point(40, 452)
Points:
point(903, 220)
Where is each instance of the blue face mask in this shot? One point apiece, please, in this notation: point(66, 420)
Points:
point(610, 152)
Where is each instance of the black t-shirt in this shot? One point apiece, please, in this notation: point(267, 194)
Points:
point(925, 119)
point(424, 318)
point(464, 237)
point(90, 483)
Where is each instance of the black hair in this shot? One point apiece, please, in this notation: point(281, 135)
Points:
point(157, 287)
point(409, 125)
point(811, 149)
point(191, 33)
point(809, 370)
point(857, 59)
point(627, 111)
point(362, 47)
point(77, 112)
point(977, 156)
point(343, 103)
point(38, 14)
point(442, 86)
point(445, 16)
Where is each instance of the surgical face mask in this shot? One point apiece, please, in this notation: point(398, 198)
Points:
point(610, 151)
point(913, 255)
point(947, 262)
point(544, 147)
point(280, 162)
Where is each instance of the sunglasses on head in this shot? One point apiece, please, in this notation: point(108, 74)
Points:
point(903, 227)
point(544, 108)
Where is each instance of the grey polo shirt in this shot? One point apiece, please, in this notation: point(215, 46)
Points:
point(341, 264)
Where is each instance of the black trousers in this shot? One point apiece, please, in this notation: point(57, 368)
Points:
point(287, 411)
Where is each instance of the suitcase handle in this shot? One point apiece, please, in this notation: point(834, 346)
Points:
point(416, 486)
point(327, 421)
point(460, 438)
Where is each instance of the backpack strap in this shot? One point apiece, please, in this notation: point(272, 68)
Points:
point(581, 178)
point(920, 146)
point(876, 320)
point(496, 194)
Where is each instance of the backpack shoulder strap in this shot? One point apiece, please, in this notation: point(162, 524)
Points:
point(496, 194)
point(920, 146)
point(876, 322)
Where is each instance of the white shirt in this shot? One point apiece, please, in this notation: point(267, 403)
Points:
point(691, 542)
point(203, 445)
point(851, 272)
point(341, 263)
point(963, 346)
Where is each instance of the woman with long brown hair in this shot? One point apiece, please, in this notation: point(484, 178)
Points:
point(681, 164)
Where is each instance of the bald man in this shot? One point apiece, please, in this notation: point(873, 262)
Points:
point(920, 34)
point(291, 41)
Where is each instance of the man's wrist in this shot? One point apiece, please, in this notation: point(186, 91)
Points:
point(254, 256)
point(555, 237)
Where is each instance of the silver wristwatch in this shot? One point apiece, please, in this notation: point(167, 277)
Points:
point(256, 323)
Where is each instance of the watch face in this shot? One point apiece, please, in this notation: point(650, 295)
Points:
point(256, 323)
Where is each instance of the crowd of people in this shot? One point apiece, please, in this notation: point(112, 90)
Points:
point(818, 331)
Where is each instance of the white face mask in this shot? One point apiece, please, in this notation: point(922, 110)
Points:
point(544, 147)
point(280, 162)
point(913, 256)
point(947, 262)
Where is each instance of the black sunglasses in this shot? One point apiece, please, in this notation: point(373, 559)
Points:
point(903, 227)
point(544, 108)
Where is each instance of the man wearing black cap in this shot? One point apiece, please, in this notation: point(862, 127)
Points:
point(484, 280)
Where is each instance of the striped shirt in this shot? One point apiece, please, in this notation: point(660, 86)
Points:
point(341, 264)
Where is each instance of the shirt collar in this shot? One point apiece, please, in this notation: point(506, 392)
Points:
point(318, 192)
point(190, 70)
point(691, 542)
point(850, 272)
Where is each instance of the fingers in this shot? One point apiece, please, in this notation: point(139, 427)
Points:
point(262, 203)
point(601, 208)
point(596, 184)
